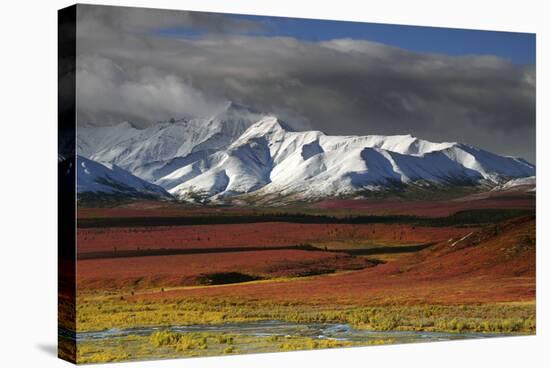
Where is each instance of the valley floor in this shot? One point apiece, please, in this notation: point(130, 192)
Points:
point(387, 277)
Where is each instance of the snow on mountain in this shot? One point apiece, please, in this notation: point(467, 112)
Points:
point(491, 166)
point(240, 152)
point(91, 139)
point(94, 177)
point(149, 152)
point(531, 180)
point(529, 184)
point(271, 159)
point(240, 169)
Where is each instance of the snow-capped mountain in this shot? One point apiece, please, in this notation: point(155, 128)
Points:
point(270, 159)
point(528, 184)
point(239, 153)
point(108, 179)
point(157, 150)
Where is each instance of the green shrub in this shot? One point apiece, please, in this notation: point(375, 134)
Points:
point(163, 338)
point(229, 350)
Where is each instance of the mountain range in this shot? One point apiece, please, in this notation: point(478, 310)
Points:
point(239, 154)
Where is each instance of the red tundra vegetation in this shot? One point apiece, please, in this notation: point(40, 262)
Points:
point(429, 208)
point(493, 264)
point(269, 234)
point(194, 269)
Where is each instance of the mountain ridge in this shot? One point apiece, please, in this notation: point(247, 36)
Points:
point(238, 153)
point(104, 179)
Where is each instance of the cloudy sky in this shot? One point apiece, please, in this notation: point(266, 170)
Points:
point(440, 84)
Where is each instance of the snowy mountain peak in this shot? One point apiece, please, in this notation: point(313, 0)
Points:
point(108, 179)
point(269, 160)
point(267, 125)
point(238, 151)
point(149, 152)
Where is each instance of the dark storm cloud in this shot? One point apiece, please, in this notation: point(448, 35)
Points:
point(135, 20)
point(127, 72)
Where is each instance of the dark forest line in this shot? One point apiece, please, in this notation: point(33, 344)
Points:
point(474, 217)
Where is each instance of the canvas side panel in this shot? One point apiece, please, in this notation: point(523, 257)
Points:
point(66, 184)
